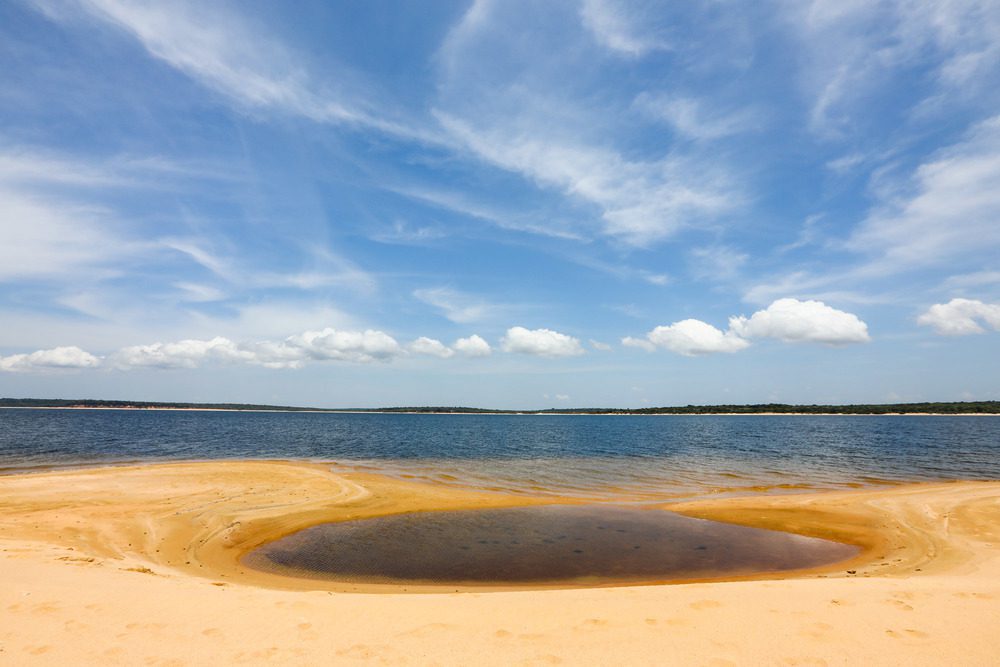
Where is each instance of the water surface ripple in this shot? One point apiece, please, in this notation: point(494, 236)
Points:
point(587, 456)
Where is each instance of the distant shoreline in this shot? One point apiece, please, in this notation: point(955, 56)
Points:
point(515, 413)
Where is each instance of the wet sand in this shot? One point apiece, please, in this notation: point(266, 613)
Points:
point(141, 564)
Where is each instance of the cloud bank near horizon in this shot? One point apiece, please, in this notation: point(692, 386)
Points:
point(787, 320)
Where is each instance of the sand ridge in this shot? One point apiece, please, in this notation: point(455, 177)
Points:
point(141, 564)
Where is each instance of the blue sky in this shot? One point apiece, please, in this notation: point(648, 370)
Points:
point(500, 203)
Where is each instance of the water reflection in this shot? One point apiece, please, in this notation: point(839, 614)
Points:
point(581, 544)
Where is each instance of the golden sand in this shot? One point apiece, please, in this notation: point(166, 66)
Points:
point(141, 564)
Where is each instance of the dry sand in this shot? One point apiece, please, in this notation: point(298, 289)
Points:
point(140, 565)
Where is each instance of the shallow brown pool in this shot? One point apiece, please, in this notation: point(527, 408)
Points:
point(535, 545)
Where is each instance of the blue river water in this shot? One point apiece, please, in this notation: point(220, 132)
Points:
point(585, 455)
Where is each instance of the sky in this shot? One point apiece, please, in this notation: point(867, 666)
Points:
point(500, 203)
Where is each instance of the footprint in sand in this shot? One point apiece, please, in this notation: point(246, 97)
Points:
point(818, 662)
point(720, 662)
point(705, 604)
point(424, 630)
point(816, 630)
point(908, 633)
point(360, 651)
point(306, 632)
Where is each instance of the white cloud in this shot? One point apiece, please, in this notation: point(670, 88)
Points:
point(272, 320)
point(617, 27)
point(403, 233)
point(960, 317)
point(974, 279)
point(948, 209)
point(333, 270)
point(851, 47)
point(199, 293)
point(689, 117)
point(659, 279)
point(358, 346)
point(57, 222)
point(293, 352)
point(431, 347)
point(473, 346)
point(226, 54)
point(788, 320)
point(44, 237)
point(457, 203)
point(540, 342)
point(496, 104)
point(689, 338)
point(791, 320)
point(456, 306)
point(639, 201)
point(598, 345)
point(59, 358)
point(641, 343)
point(717, 262)
point(845, 164)
point(189, 353)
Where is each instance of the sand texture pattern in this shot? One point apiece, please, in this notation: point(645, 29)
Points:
point(141, 565)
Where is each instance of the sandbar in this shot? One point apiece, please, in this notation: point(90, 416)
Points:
point(141, 564)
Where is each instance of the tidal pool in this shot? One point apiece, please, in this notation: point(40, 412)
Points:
point(585, 545)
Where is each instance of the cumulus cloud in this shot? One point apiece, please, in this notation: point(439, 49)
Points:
point(323, 345)
point(788, 320)
point(189, 353)
point(473, 346)
point(334, 344)
point(792, 321)
point(690, 338)
point(58, 358)
point(641, 343)
point(960, 317)
point(431, 347)
point(540, 342)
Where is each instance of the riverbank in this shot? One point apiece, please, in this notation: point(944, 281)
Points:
point(142, 563)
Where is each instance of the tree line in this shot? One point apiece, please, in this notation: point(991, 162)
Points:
point(945, 408)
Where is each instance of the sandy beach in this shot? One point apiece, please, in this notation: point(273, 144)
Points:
point(141, 565)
